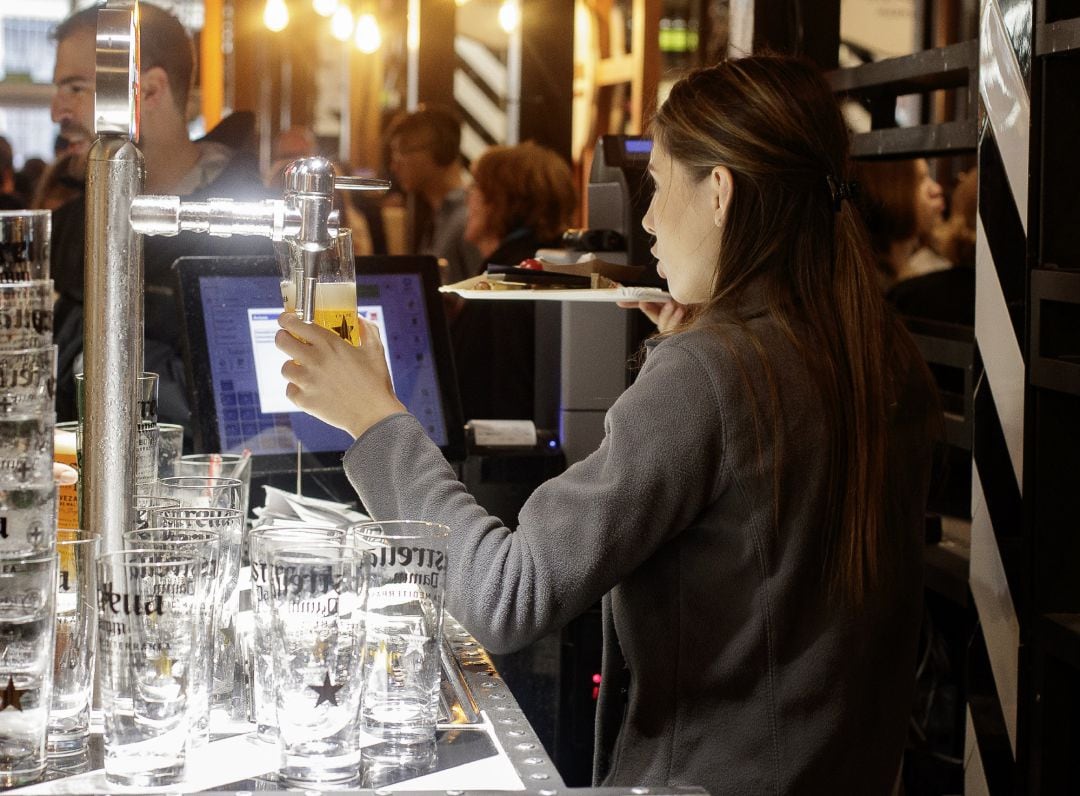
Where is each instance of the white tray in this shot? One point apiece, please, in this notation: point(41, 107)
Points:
point(560, 294)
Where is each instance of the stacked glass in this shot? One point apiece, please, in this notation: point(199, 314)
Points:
point(28, 565)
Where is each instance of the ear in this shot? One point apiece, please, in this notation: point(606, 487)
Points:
point(720, 188)
point(154, 91)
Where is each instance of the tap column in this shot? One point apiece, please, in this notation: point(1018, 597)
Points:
point(113, 285)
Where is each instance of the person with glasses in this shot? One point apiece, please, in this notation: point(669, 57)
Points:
point(425, 163)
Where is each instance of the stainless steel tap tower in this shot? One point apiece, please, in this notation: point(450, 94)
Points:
point(113, 284)
point(304, 221)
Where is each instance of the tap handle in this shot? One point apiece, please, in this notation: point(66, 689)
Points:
point(360, 184)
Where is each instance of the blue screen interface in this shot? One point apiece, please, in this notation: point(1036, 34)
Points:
point(252, 411)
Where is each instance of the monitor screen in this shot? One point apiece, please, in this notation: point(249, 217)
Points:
point(240, 392)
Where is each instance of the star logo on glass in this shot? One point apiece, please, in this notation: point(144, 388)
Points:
point(326, 692)
point(344, 330)
point(11, 696)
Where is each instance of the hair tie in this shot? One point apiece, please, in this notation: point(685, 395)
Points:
point(839, 191)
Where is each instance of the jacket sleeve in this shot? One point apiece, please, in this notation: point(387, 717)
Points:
point(659, 466)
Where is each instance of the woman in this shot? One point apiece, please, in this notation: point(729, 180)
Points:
point(754, 514)
point(903, 207)
point(521, 199)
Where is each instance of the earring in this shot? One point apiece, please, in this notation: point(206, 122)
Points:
point(718, 217)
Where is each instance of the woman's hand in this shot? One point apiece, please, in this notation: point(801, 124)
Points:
point(63, 475)
point(346, 386)
point(665, 314)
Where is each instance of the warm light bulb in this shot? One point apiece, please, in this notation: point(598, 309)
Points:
point(509, 15)
point(460, 3)
point(324, 8)
point(368, 39)
point(276, 15)
point(341, 26)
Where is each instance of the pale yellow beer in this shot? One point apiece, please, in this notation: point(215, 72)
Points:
point(335, 307)
point(67, 503)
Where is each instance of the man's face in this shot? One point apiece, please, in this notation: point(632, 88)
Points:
point(411, 163)
point(73, 103)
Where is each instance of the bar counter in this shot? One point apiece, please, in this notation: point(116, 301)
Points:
point(484, 744)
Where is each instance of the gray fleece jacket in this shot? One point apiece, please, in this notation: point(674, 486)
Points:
point(725, 666)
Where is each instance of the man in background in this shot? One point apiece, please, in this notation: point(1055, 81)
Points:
point(425, 163)
point(175, 164)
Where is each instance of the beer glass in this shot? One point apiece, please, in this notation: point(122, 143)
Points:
point(27, 632)
point(146, 509)
point(27, 382)
point(28, 520)
point(146, 441)
point(149, 648)
point(76, 642)
point(24, 245)
point(207, 546)
point(407, 578)
point(227, 465)
point(335, 291)
point(263, 542)
point(66, 451)
point(170, 448)
point(316, 641)
point(26, 314)
point(26, 450)
point(228, 524)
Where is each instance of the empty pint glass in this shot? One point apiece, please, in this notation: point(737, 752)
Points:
point(24, 245)
point(145, 394)
point(27, 382)
point(228, 524)
point(206, 545)
point(148, 647)
point(26, 314)
point(76, 642)
point(262, 543)
point(404, 630)
point(316, 640)
point(27, 605)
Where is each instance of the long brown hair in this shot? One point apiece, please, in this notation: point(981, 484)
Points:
point(772, 121)
point(526, 185)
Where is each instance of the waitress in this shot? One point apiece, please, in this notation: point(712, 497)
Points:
point(753, 517)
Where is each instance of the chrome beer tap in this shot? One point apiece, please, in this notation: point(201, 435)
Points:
point(116, 218)
point(304, 220)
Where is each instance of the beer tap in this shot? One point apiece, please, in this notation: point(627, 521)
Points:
point(304, 220)
point(116, 218)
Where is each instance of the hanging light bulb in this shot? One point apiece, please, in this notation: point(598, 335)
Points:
point(509, 15)
point(276, 15)
point(324, 8)
point(341, 24)
point(368, 38)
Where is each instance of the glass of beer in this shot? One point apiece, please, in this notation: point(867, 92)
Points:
point(335, 287)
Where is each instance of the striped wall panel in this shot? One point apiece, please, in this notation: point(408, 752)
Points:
point(998, 533)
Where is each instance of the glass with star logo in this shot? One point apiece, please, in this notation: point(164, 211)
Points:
point(335, 288)
point(76, 642)
point(317, 597)
point(207, 546)
point(261, 543)
point(406, 585)
point(228, 523)
point(147, 437)
point(149, 646)
point(27, 632)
